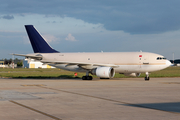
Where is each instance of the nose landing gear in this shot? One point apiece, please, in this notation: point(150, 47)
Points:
point(147, 77)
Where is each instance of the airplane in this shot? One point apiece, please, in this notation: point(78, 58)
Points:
point(102, 64)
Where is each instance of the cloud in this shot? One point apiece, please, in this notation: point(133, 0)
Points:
point(8, 17)
point(135, 17)
point(50, 38)
point(146, 22)
point(70, 38)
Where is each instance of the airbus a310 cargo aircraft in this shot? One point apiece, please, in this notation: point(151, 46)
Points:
point(103, 64)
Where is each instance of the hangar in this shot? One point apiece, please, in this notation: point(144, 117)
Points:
point(31, 63)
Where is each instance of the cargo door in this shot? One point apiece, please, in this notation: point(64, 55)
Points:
point(145, 60)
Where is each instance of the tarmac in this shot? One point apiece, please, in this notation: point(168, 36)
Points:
point(75, 99)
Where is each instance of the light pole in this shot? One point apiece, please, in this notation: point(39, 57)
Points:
point(173, 58)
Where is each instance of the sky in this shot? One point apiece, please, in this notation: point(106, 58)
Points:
point(92, 25)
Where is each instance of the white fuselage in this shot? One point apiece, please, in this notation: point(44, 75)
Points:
point(125, 62)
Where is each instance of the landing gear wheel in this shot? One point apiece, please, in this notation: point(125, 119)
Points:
point(84, 78)
point(104, 78)
point(146, 78)
point(87, 78)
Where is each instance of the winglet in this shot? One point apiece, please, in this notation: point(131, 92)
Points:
point(38, 43)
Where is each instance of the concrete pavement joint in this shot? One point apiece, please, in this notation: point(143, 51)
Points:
point(48, 115)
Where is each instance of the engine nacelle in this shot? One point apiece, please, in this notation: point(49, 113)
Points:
point(132, 74)
point(104, 72)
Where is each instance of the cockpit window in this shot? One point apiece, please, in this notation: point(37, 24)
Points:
point(161, 58)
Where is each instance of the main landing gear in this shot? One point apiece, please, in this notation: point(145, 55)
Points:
point(87, 77)
point(147, 77)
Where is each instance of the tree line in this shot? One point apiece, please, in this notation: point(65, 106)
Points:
point(17, 61)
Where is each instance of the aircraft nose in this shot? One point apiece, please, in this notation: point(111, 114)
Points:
point(168, 63)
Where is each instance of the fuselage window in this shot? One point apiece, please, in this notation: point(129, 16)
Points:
point(164, 58)
point(161, 58)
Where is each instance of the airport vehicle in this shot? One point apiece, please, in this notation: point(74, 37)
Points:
point(103, 64)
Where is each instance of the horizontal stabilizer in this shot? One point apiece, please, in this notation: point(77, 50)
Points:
point(29, 56)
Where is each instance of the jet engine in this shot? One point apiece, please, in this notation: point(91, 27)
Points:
point(132, 74)
point(104, 72)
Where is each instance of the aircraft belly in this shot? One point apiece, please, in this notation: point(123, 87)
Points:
point(127, 69)
point(138, 68)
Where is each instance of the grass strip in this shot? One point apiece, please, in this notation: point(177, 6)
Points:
point(47, 73)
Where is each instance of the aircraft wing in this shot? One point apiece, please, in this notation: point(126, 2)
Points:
point(80, 64)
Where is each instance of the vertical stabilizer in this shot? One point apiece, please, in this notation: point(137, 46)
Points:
point(37, 41)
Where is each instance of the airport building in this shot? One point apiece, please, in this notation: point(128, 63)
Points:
point(2, 63)
point(31, 63)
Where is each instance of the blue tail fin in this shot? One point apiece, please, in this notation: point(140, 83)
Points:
point(37, 41)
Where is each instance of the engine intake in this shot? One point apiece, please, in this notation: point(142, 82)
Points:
point(104, 72)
